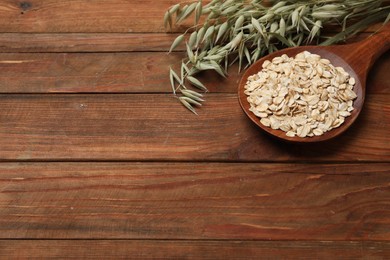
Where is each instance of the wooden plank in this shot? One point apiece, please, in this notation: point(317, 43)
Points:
point(96, 72)
point(160, 249)
point(83, 16)
point(195, 201)
point(121, 72)
point(94, 42)
point(378, 78)
point(86, 42)
point(53, 16)
point(157, 127)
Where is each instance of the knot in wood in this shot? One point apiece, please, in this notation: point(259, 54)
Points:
point(25, 6)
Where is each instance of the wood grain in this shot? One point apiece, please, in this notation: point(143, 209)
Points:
point(86, 42)
point(195, 201)
point(179, 249)
point(121, 72)
point(98, 160)
point(83, 16)
point(96, 42)
point(157, 127)
point(51, 16)
point(95, 72)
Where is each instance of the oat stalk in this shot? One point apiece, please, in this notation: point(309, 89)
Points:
point(241, 31)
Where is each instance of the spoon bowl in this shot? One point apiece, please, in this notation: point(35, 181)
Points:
point(356, 59)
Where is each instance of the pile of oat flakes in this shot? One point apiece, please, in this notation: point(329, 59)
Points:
point(303, 96)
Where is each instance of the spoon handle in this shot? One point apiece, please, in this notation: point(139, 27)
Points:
point(375, 45)
point(362, 55)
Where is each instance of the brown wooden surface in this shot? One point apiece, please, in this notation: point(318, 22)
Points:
point(83, 16)
point(112, 16)
point(98, 42)
point(190, 249)
point(99, 160)
point(109, 72)
point(156, 127)
point(195, 201)
point(86, 42)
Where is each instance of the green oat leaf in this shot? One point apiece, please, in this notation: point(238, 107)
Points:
point(192, 40)
point(209, 33)
point(256, 25)
point(222, 30)
point(176, 42)
point(191, 101)
point(187, 105)
point(175, 9)
point(229, 10)
point(239, 22)
point(247, 55)
point(174, 77)
point(190, 54)
point(198, 11)
point(186, 12)
point(236, 41)
point(190, 94)
point(184, 70)
point(167, 19)
point(194, 93)
point(195, 82)
point(199, 36)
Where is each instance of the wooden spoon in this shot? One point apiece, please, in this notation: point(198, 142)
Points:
point(356, 59)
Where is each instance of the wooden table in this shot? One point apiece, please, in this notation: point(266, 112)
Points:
point(98, 159)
